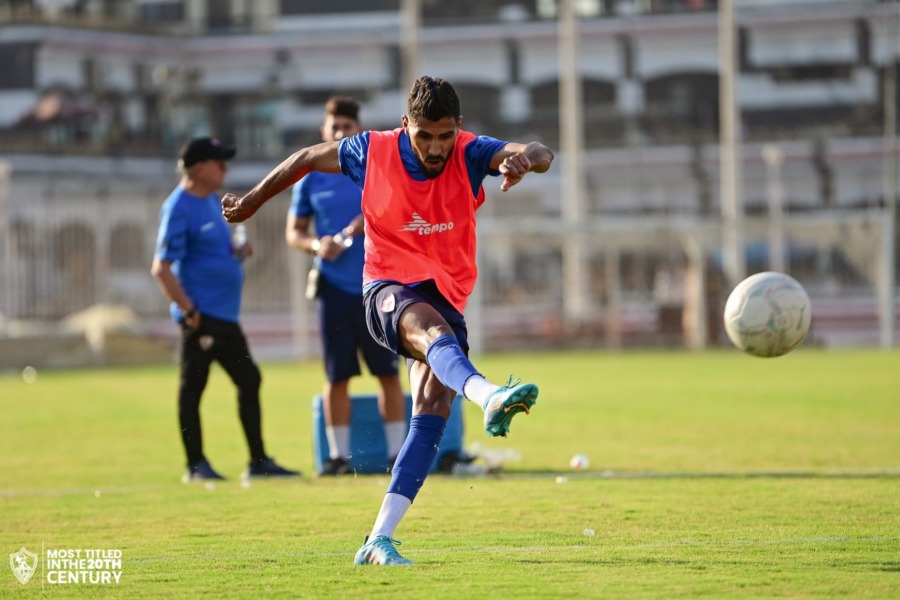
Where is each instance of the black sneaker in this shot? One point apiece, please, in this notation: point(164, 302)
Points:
point(336, 466)
point(268, 468)
point(200, 471)
point(450, 459)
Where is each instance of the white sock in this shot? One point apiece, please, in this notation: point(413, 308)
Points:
point(478, 389)
point(393, 509)
point(395, 434)
point(338, 440)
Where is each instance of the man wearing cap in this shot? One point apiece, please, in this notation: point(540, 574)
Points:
point(200, 272)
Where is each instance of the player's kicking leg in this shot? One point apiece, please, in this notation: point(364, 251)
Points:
point(506, 402)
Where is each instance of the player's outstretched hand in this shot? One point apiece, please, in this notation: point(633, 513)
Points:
point(236, 209)
point(513, 169)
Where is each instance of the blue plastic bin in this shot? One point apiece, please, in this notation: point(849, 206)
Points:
point(368, 446)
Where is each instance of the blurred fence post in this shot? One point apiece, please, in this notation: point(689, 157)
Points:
point(888, 279)
point(695, 312)
point(774, 157)
point(6, 244)
point(735, 261)
point(576, 300)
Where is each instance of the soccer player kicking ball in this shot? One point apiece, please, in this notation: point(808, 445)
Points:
point(422, 184)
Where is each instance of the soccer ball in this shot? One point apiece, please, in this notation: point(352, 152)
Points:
point(768, 314)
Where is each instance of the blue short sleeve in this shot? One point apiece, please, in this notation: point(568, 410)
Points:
point(172, 237)
point(301, 201)
point(353, 153)
point(479, 153)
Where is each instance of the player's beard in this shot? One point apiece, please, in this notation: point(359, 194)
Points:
point(433, 166)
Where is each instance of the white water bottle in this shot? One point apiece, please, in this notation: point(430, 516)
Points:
point(343, 240)
point(240, 235)
point(239, 241)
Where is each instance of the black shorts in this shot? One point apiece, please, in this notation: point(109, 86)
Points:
point(386, 300)
point(342, 322)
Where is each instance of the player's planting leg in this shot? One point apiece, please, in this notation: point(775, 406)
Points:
point(410, 470)
point(380, 550)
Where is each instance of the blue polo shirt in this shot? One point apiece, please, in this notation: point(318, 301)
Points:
point(333, 200)
point(195, 237)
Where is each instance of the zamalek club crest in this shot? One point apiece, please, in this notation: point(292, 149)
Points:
point(23, 564)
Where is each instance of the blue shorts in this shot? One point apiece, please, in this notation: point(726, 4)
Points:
point(386, 300)
point(342, 322)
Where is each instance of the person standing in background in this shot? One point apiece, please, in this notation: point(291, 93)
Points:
point(334, 202)
point(200, 273)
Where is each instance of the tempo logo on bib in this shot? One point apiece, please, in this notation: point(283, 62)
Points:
point(423, 227)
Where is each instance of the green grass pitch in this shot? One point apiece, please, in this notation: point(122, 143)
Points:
point(712, 474)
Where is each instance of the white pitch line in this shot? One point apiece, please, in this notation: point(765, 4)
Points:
point(137, 489)
point(81, 491)
point(455, 550)
point(672, 544)
point(870, 473)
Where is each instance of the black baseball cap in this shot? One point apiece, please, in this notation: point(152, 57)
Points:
point(204, 148)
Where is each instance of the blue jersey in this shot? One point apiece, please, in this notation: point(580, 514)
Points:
point(334, 201)
point(195, 237)
point(354, 150)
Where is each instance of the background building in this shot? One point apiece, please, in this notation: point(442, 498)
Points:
point(96, 96)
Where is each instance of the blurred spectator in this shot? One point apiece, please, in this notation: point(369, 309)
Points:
point(200, 272)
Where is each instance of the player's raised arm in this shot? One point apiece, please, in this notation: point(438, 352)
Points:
point(515, 160)
point(321, 157)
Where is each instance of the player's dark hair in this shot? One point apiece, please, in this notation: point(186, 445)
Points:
point(342, 106)
point(432, 98)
